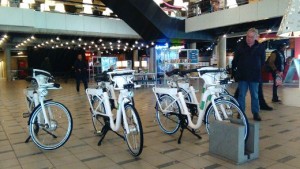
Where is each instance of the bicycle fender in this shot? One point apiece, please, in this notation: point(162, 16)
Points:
point(210, 104)
point(38, 106)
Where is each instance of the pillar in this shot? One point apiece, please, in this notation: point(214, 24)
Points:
point(135, 58)
point(193, 45)
point(135, 55)
point(7, 60)
point(152, 59)
point(222, 52)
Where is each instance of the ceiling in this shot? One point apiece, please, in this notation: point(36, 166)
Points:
point(22, 41)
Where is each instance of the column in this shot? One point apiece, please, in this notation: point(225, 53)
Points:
point(193, 45)
point(152, 59)
point(135, 55)
point(7, 60)
point(135, 58)
point(222, 52)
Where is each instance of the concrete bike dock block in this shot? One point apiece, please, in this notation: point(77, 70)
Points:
point(226, 140)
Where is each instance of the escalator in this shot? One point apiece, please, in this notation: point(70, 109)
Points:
point(151, 23)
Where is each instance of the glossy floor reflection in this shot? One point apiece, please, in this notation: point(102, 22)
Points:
point(279, 137)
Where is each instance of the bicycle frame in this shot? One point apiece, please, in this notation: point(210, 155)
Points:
point(39, 91)
point(211, 91)
point(104, 98)
point(124, 97)
point(209, 94)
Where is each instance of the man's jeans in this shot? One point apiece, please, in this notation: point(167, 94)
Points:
point(243, 88)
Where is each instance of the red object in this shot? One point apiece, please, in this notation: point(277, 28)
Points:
point(297, 48)
point(88, 55)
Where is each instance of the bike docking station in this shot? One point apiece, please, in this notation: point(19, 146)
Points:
point(226, 140)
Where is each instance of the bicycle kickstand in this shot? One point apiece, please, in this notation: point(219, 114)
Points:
point(28, 138)
point(180, 136)
point(104, 132)
point(194, 133)
point(119, 135)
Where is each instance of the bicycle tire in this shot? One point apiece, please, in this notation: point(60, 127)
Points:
point(234, 116)
point(187, 97)
point(98, 120)
point(41, 138)
point(135, 138)
point(227, 96)
point(171, 119)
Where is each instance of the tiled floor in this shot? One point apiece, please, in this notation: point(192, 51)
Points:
point(279, 138)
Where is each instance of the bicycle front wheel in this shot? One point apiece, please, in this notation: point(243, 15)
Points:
point(134, 138)
point(168, 121)
point(54, 134)
point(229, 112)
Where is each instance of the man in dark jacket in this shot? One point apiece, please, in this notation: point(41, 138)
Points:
point(276, 62)
point(248, 60)
point(80, 67)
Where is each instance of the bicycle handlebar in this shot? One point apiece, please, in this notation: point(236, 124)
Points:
point(172, 72)
point(202, 72)
point(184, 72)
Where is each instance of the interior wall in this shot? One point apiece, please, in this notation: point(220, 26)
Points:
point(61, 60)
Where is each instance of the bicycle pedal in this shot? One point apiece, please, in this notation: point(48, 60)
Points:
point(26, 115)
point(98, 133)
point(197, 130)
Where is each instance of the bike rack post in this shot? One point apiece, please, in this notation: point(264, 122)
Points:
point(226, 140)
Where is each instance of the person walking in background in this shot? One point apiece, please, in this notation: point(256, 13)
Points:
point(276, 63)
point(248, 61)
point(80, 67)
point(46, 65)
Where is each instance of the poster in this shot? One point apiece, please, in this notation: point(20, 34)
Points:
point(193, 55)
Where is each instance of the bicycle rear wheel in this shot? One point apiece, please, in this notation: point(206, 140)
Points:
point(233, 112)
point(98, 121)
point(54, 135)
point(169, 121)
point(134, 138)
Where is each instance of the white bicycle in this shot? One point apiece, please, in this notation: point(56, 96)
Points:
point(181, 80)
point(50, 123)
point(172, 111)
point(126, 114)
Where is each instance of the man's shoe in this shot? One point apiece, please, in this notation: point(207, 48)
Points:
point(266, 107)
point(276, 101)
point(256, 117)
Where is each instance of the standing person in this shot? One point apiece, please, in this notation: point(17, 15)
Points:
point(80, 67)
point(276, 63)
point(262, 102)
point(248, 60)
